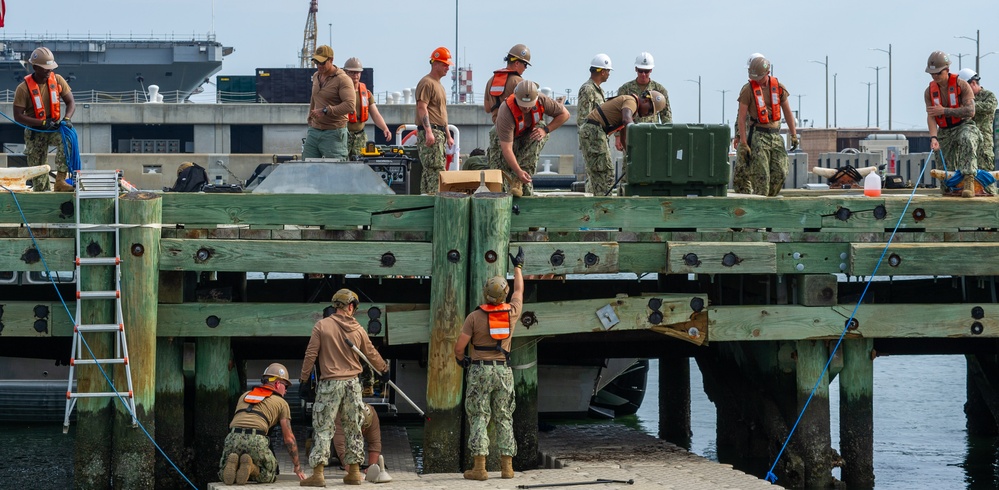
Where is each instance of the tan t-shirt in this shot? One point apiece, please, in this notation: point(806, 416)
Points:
point(477, 326)
point(613, 109)
point(506, 124)
point(274, 407)
point(489, 101)
point(335, 92)
point(359, 125)
point(431, 91)
point(23, 99)
point(746, 97)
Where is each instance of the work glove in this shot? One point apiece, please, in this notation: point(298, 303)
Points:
point(464, 362)
point(794, 142)
point(68, 123)
point(303, 389)
point(744, 153)
point(384, 377)
point(518, 260)
point(51, 125)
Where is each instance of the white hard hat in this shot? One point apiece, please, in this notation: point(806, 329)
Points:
point(644, 61)
point(601, 61)
point(753, 57)
point(967, 74)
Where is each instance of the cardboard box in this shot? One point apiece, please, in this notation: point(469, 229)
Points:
point(467, 181)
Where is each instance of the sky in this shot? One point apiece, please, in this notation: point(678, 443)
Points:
point(708, 40)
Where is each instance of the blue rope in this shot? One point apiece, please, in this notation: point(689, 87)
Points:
point(82, 339)
point(69, 143)
point(771, 477)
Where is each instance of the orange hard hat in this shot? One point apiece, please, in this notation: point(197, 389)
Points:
point(441, 54)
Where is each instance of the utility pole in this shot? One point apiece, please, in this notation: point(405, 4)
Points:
point(868, 101)
point(698, 82)
point(978, 43)
point(826, 64)
point(877, 91)
point(889, 83)
point(723, 92)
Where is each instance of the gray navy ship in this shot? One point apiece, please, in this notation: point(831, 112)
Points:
point(118, 70)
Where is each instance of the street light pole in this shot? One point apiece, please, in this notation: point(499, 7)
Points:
point(889, 82)
point(868, 101)
point(799, 108)
point(723, 92)
point(835, 122)
point(960, 57)
point(826, 64)
point(698, 82)
point(978, 43)
point(877, 92)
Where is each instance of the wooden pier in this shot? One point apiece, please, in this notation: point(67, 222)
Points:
point(752, 288)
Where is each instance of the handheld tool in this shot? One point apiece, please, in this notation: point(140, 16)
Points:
point(389, 382)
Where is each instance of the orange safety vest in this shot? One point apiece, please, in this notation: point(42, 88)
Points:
point(499, 320)
point(36, 96)
point(363, 97)
point(498, 85)
point(761, 104)
point(255, 396)
point(953, 100)
point(523, 125)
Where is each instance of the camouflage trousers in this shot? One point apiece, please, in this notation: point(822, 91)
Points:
point(337, 397)
point(597, 155)
point(325, 143)
point(433, 159)
point(257, 446)
point(740, 177)
point(355, 143)
point(490, 396)
point(959, 147)
point(525, 150)
point(36, 151)
point(767, 167)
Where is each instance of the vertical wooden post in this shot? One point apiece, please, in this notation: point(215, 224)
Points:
point(169, 413)
point(131, 452)
point(490, 246)
point(856, 413)
point(211, 405)
point(92, 460)
point(812, 435)
point(442, 442)
point(674, 400)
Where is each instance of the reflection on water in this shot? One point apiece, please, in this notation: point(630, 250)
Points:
point(35, 456)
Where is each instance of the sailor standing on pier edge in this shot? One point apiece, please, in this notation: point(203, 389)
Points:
point(761, 144)
point(490, 380)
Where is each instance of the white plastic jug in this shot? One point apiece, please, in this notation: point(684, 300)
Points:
point(872, 185)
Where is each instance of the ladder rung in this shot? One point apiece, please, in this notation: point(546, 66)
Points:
point(100, 327)
point(98, 260)
point(113, 360)
point(95, 394)
point(98, 294)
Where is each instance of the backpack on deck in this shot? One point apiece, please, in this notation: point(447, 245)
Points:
point(191, 177)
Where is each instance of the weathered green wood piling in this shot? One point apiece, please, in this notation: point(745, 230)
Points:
point(982, 405)
point(169, 414)
point(133, 453)
point(92, 460)
point(211, 405)
point(812, 435)
point(856, 413)
point(674, 400)
point(524, 359)
point(442, 441)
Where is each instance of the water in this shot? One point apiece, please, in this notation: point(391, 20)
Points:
point(919, 431)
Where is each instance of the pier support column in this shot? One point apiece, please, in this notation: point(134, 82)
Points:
point(856, 413)
point(524, 359)
point(812, 435)
point(169, 413)
point(674, 400)
point(212, 413)
point(92, 460)
point(442, 441)
point(132, 453)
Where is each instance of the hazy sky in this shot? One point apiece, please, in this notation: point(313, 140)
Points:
point(711, 39)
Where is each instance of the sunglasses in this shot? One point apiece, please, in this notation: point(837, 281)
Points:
point(644, 72)
point(938, 73)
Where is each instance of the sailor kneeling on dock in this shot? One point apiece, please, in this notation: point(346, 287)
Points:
point(246, 455)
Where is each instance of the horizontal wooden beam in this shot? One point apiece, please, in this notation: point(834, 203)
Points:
point(20, 254)
point(21, 319)
point(958, 259)
point(569, 258)
point(249, 319)
point(38, 207)
point(721, 258)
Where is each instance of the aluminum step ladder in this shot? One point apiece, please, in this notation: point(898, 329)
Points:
point(98, 184)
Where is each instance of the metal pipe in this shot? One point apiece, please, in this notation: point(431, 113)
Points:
point(390, 383)
point(571, 484)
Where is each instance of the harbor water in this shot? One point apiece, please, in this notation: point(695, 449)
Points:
point(919, 424)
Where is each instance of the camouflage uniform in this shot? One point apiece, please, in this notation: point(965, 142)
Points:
point(589, 97)
point(664, 116)
point(355, 143)
point(959, 146)
point(478, 162)
point(527, 152)
point(36, 151)
point(768, 164)
point(741, 182)
point(333, 397)
point(985, 113)
point(490, 396)
point(258, 447)
point(433, 160)
point(596, 154)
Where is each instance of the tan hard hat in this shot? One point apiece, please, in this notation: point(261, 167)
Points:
point(344, 297)
point(495, 290)
point(658, 100)
point(937, 62)
point(276, 370)
point(759, 68)
point(520, 52)
point(44, 58)
point(526, 93)
point(353, 64)
point(369, 415)
point(323, 53)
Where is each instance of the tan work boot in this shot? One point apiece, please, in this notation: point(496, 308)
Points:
point(247, 470)
point(229, 471)
point(478, 471)
point(317, 479)
point(506, 466)
point(968, 189)
point(60, 183)
point(353, 476)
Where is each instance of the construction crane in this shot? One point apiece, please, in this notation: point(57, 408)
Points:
point(309, 41)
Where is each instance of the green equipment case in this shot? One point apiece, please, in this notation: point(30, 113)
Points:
point(677, 160)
